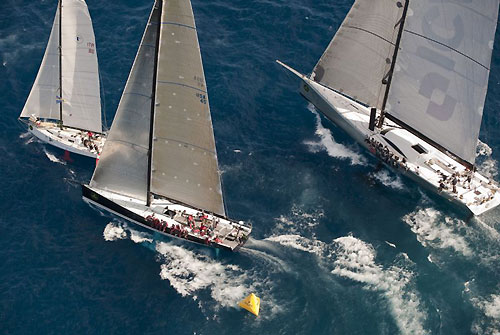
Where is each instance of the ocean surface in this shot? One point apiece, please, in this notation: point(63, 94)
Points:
point(339, 246)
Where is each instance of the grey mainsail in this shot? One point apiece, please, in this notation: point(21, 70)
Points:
point(42, 100)
point(441, 76)
point(359, 56)
point(184, 159)
point(123, 166)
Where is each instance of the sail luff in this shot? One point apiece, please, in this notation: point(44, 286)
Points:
point(184, 160)
point(60, 67)
point(123, 164)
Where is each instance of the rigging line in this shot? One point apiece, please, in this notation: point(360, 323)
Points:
point(60, 67)
point(370, 32)
point(447, 46)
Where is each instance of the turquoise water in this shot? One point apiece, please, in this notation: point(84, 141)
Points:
point(340, 245)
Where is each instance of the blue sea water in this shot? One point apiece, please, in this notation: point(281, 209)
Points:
point(339, 245)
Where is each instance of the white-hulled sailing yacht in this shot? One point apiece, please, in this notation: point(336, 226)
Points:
point(407, 80)
point(158, 168)
point(64, 107)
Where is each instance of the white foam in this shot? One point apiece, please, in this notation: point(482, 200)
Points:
point(384, 177)
point(114, 231)
point(390, 244)
point(327, 143)
point(53, 158)
point(189, 272)
point(486, 165)
point(488, 321)
point(140, 237)
point(237, 150)
point(434, 230)
point(354, 259)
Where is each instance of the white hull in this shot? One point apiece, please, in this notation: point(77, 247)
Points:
point(227, 234)
point(69, 139)
point(427, 168)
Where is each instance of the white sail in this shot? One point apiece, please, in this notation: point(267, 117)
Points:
point(441, 75)
point(359, 56)
point(42, 100)
point(184, 159)
point(123, 165)
point(80, 76)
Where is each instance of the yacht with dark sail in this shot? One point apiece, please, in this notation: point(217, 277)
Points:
point(407, 80)
point(64, 105)
point(158, 168)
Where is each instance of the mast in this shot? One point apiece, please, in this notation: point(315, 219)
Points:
point(60, 67)
point(393, 63)
point(153, 103)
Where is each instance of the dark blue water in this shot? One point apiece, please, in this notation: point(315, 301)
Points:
point(339, 246)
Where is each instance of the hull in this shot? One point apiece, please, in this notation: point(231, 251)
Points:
point(69, 139)
point(226, 234)
point(406, 153)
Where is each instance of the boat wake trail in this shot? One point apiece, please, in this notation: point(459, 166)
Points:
point(193, 273)
point(436, 231)
point(327, 143)
point(53, 158)
point(351, 258)
point(385, 177)
point(487, 315)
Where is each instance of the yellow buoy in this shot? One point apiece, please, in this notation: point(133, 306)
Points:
point(251, 304)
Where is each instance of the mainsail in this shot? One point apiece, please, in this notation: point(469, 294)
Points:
point(359, 56)
point(183, 161)
point(123, 165)
point(441, 75)
point(80, 77)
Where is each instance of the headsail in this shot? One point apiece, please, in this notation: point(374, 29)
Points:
point(359, 56)
point(184, 159)
point(123, 166)
point(42, 100)
point(80, 76)
point(441, 76)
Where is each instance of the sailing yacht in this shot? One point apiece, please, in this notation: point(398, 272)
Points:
point(158, 168)
point(64, 107)
point(407, 80)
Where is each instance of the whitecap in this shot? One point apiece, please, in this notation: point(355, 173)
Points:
point(114, 231)
point(53, 158)
point(384, 177)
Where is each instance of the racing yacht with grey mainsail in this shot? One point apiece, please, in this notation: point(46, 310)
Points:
point(407, 80)
point(158, 168)
point(64, 105)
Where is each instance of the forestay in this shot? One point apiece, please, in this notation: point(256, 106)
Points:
point(80, 76)
point(184, 160)
point(42, 100)
point(123, 166)
point(441, 76)
point(358, 58)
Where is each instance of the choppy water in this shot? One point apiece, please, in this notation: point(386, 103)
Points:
point(339, 245)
